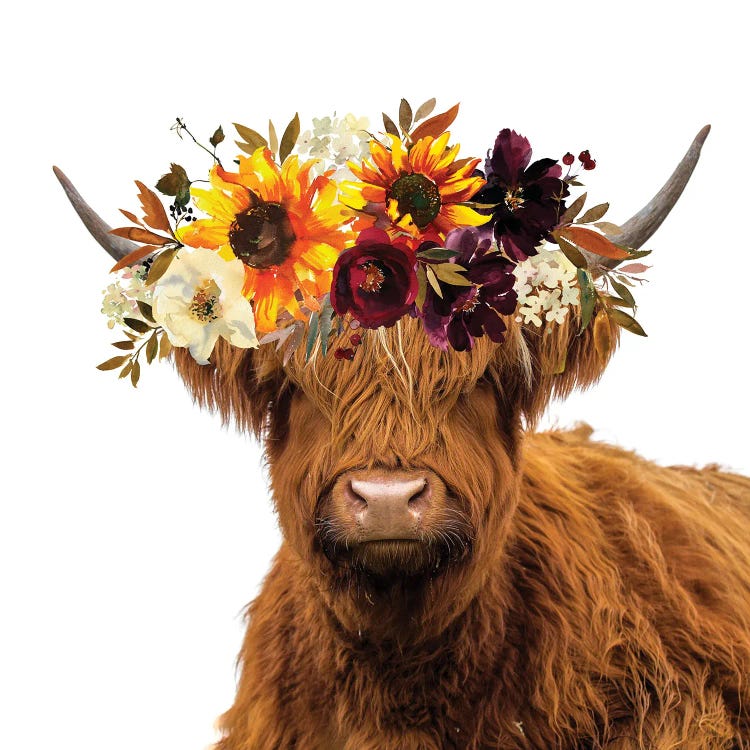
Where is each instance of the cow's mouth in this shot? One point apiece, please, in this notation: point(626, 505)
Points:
point(391, 559)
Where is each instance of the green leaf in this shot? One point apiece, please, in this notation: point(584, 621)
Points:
point(424, 110)
point(434, 283)
point(135, 373)
point(160, 265)
point(137, 325)
point(422, 287)
point(628, 322)
point(311, 335)
point(624, 293)
point(437, 253)
point(113, 363)
point(273, 139)
point(404, 115)
point(126, 345)
point(152, 347)
point(573, 209)
point(450, 274)
point(289, 139)
point(175, 182)
point(588, 297)
point(217, 137)
point(145, 310)
point(594, 214)
point(326, 321)
point(571, 252)
point(252, 138)
point(390, 126)
point(635, 254)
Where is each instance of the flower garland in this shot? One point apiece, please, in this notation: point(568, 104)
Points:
point(342, 229)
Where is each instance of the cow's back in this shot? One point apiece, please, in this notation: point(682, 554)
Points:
point(632, 587)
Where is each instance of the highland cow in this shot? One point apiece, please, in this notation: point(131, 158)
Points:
point(450, 578)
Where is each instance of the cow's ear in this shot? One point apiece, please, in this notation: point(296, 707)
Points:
point(551, 361)
point(242, 385)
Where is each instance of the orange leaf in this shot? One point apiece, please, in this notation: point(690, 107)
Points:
point(436, 125)
point(594, 242)
point(153, 210)
point(133, 257)
point(141, 235)
point(130, 216)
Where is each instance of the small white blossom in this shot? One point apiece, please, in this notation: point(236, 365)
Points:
point(529, 316)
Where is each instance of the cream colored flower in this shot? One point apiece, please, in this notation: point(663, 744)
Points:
point(200, 298)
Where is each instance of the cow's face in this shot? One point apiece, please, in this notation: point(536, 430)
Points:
point(396, 474)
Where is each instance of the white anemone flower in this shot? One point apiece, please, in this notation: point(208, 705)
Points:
point(199, 298)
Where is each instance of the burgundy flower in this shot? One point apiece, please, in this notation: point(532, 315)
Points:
point(529, 199)
point(465, 313)
point(375, 280)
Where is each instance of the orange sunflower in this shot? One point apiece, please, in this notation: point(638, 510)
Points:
point(418, 190)
point(284, 225)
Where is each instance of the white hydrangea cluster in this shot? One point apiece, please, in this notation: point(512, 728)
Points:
point(547, 286)
point(335, 141)
point(121, 298)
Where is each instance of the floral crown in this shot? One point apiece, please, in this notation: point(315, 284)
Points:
point(339, 230)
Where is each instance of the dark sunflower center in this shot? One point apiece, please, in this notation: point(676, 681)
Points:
point(416, 195)
point(262, 236)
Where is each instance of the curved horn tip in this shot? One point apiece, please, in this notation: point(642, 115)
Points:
point(700, 139)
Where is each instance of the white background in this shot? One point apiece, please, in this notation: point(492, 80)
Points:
point(134, 528)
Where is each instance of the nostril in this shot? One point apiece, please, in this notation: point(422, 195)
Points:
point(358, 502)
point(420, 497)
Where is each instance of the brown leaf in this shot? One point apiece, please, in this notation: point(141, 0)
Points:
point(165, 345)
point(273, 139)
point(573, 209)
point(624, 292)
point(141, 235)
point(390, 126)
point(152, 347)
point(137, 254)
point(160, 265)
point(251, 137)
point(114, 363)
point(135, 373)
point(126, 370)
point(139, 326)
point(421, 287)
point(404, 115)
point(602, 337)
point(289, 139)
point(130, 217)
point(571, 252)
point(125, 345)
point(436, 125)
point(434, 283)
point(608, 227)
point(175, 182)
point(634, 268)
point(594, 242)
point(594, 214)
point(217, 137)
point(626, 321)
point(450, 274)
point(153, 210)
point(424, 110)
point(145, 309)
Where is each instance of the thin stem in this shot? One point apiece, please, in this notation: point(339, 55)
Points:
point(181, 126)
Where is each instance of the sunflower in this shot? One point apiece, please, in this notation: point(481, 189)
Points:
point(418, 190)
point(283, 223)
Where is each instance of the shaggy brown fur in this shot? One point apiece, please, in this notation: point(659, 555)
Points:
point(602, 601)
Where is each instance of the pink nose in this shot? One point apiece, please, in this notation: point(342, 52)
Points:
point(388, 508)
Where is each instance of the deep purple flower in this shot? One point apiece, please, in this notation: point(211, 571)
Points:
point(465, 313)
point(375, 280)
point(529, 199)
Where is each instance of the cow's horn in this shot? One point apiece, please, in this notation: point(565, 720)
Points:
point(117, 247)
point(637, 230)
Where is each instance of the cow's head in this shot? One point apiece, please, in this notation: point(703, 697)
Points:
point(396, 476)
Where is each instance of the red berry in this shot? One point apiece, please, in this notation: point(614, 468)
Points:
point(349, 353)
point(589, 164)
point(584, 156)
point(568, 159)
point(339, 353)
point(356, 339)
